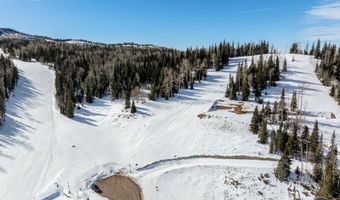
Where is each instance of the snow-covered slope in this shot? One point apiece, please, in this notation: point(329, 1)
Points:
point(28, 136)
point(215, 180)
point(316, 101)
point(41, 149)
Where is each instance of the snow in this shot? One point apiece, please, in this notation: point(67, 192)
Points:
point(46, 155)
point(239, 180)
point(77, 42)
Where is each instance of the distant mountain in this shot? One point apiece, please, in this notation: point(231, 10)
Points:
point(8, 33)
point(11, 33)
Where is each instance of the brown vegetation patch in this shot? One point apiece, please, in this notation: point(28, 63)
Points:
point(203, 115)
point(238, 110)
point(235, 108)
point(118, 187)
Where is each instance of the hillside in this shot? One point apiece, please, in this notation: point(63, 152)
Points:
point(42, 149)
point(10, 34)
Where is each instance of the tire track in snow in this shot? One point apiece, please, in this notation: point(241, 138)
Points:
point(51, 139)
point(164, 166)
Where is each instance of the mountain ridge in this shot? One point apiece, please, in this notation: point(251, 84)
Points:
point(9, 33)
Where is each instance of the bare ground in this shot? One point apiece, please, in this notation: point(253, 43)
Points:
point(118, 187)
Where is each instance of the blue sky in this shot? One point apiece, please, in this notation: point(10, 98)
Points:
point(176, 23)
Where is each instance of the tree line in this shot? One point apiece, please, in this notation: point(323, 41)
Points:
point(8, 79)
point(254, 78)
point(124, 71)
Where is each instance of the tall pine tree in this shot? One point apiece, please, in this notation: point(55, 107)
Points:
point(133, 107)
point(314, 141)
point(254, 124)
point(293, 103)
point(245, 89)
point(304, 139)
point(332, 92)
point(263, 134)
point(318, 162)
point(282, 170)
point(328, 181)
point(284, 67)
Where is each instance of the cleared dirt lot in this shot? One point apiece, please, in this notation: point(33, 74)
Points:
point(119, 187)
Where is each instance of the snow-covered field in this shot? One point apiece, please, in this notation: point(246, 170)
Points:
point(46, 155)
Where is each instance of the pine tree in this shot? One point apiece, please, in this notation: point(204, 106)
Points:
point(332, 92)
point(306, 51)
point(257, 90)
point(282, 103)
point(254, 124)
point(317, 171)
point(245, 89)
point(333, 146)
point(227, 91)
point(88, 94)
point(262, 114)
point(312, 51)
point(305, 138)
point(282, 106)
point(191, 85)
point(272, 147)
point(239, 78)
point(231, 90)
point(284, 137)
point(282, 170)
point(317, 52)
point(289, 146)
point(127, 100)
point(294, 49)
point(318, 162)
point(274, 112)
point(133, 107)
point(263, 134)
point(267, 109)
point(284, 67)
point(275, 108)
point(328, 180)
point(69, 109)
point(295, 139)
point(293, 103)
point(232, 93)
point(276, 72)
point(314, 140)
point(152, 95)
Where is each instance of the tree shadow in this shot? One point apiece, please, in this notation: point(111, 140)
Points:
point(83, 114)
point(18, 120)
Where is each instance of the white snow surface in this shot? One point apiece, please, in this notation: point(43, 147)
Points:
point(44, 155)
